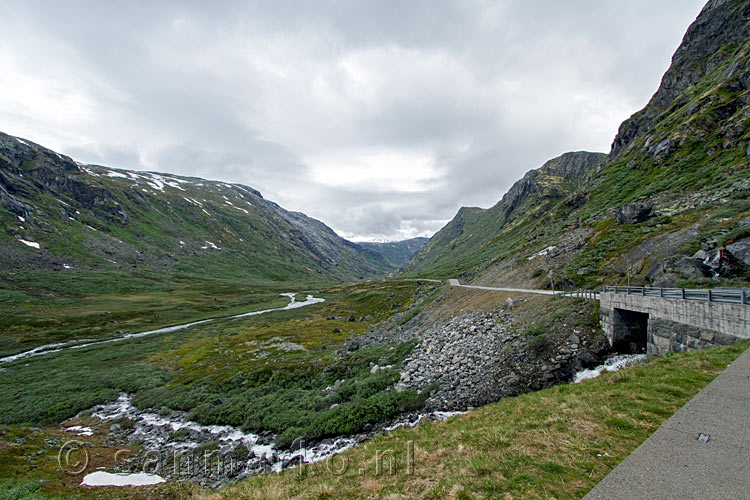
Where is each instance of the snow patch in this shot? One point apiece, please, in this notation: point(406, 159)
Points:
point(101, 478)
point(89, 171)
point(213, 246)
point(67, 266)
point(29, 243)
point(21, 219)
point(80, 430)
point(194, 202)
point(22, 142)
point(541, 253)
point(112, 173)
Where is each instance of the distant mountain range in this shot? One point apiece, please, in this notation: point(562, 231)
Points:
point(60, 215)
point(670, 203)
point(397, 253)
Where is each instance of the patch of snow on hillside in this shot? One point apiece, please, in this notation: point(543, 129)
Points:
point(210, 245)
point(89, 171)
point(204, 210)
point(541, 253)
point(29, 243)
point(101, 478)
point(22, 142)
point(112, 173)
point(80, 430)
point(21, 219)
point(156, 184)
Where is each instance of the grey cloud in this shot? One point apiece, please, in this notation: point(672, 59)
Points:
point(266, 93)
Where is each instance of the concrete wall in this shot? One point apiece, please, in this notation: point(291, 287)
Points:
point(677, 325)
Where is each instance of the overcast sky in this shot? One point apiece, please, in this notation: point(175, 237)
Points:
point(380, 118)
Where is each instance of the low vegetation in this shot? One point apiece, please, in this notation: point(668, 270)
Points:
point(262, 373)
point(555, 443)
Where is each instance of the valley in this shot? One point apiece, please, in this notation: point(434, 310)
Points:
point(196, 331)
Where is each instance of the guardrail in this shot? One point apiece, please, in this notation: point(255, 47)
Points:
point(725, 295)
point(581, 294)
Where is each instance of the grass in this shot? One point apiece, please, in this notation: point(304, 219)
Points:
point(555, 443)
point(262, 372)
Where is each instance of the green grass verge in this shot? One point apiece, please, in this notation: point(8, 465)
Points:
point(555, 443)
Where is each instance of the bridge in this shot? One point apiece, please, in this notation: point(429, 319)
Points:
point(660, 320)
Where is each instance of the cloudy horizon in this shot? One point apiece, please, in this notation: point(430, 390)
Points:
point(380, 119)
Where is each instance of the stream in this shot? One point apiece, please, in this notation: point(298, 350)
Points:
point(610, 365)
point(176, 448)
point(78, 344)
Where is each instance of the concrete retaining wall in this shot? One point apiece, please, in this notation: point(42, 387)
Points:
point(677, 325)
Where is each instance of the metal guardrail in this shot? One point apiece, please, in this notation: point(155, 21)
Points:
point(581, 294)
point(724, 295)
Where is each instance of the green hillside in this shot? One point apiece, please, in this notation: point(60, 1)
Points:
point(86, 217)
point(669, 205)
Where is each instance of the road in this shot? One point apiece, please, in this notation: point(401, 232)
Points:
point(454, 282)
point(700, 453)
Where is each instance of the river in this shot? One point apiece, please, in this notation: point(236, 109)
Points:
point(78, 344)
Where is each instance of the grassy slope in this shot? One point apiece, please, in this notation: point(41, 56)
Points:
point(555, 443)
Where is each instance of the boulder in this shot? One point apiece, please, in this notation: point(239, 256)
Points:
point(692, 268)
point(634, 213)
point(740, 250)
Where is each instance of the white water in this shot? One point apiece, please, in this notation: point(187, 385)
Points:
point(153, 430)
point(50, 348)
point(101, 478)
point(437, 415)
point(611, 365)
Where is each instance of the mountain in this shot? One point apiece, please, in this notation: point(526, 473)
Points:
point(474, 233)
point(669, 204)
point(60, 215)
point(397, 253)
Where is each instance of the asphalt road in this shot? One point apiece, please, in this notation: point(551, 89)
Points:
point(454, 282)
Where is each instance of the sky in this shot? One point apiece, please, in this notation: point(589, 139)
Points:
point(380, 118)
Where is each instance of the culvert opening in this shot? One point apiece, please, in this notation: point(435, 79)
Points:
point(630, 329)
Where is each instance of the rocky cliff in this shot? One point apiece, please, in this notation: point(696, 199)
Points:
point(668, 205)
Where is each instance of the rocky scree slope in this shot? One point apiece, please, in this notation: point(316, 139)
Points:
point(669, 205)
point(483, 355)
point(56, 214)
